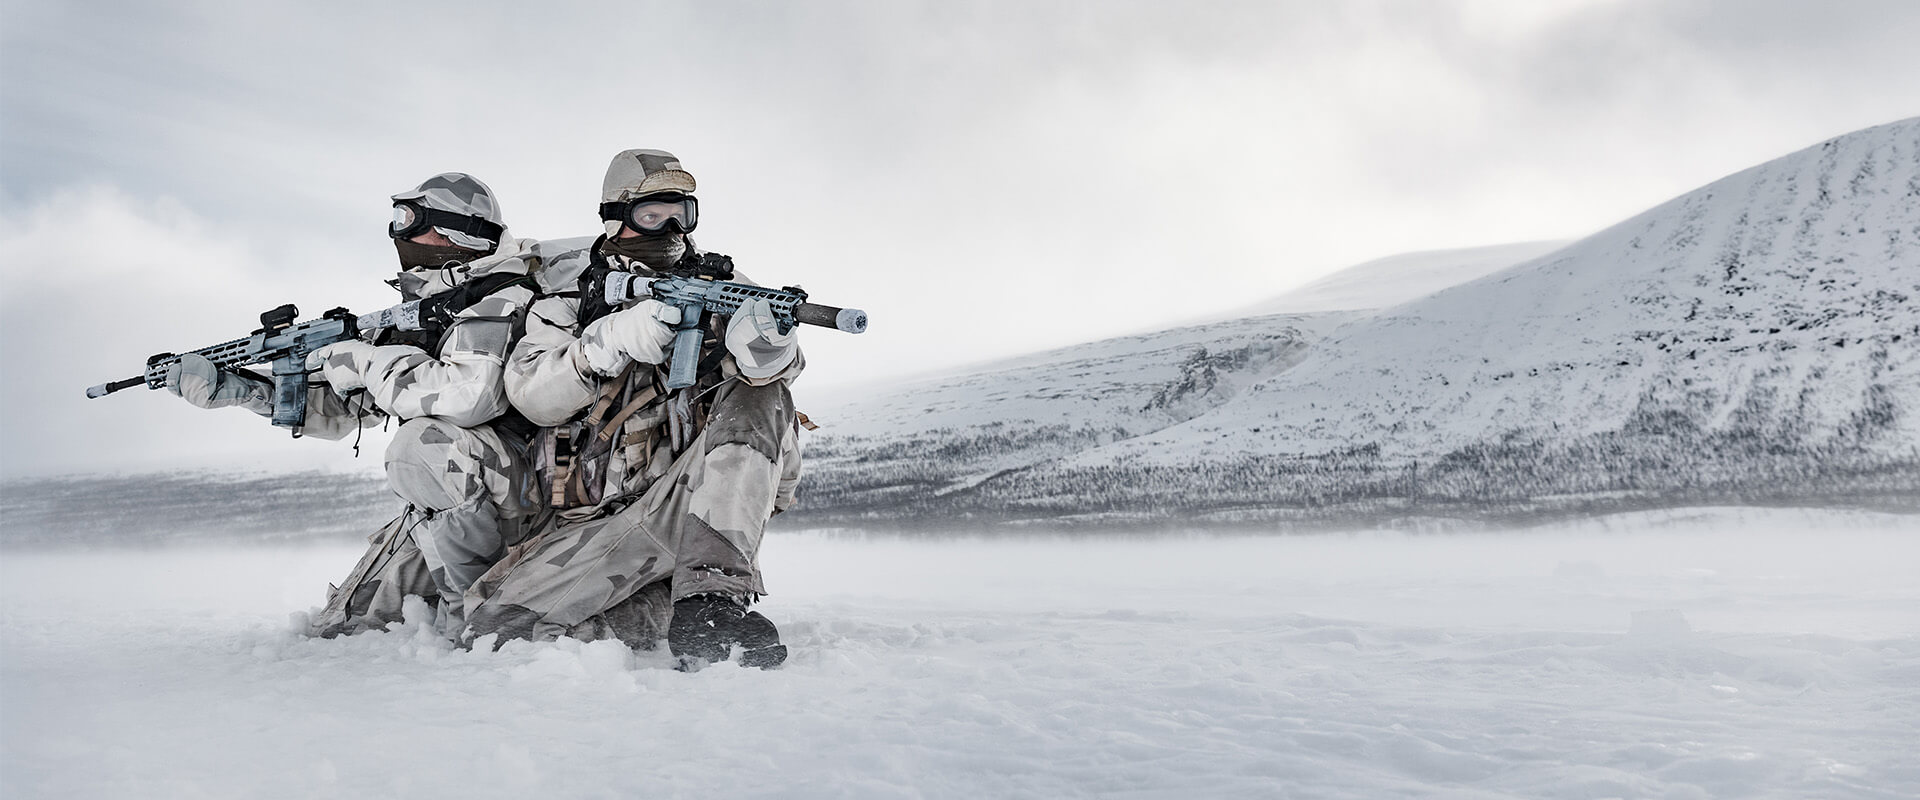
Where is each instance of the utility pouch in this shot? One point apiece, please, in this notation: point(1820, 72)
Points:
point(553, 462)
point(575, 457)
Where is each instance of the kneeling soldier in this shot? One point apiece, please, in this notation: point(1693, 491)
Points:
point(459, 456)
point(654, 487)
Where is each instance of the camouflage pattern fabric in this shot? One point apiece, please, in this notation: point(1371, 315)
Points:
point(638, 173)
point(376, 590)
point(461, 383)
point(639, 622)
point(475, 491)
point(329, 416)
point(698, 526)
point(549, 380)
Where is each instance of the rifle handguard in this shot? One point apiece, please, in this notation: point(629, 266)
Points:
point(724, 297)
point(279, 341)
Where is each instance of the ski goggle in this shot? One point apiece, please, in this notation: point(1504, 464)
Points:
point(411, 219)
point(678, 213)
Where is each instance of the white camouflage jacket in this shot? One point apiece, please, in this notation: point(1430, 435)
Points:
point(549, 382)
point(460, 379)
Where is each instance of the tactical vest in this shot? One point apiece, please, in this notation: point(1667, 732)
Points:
point(573, 459)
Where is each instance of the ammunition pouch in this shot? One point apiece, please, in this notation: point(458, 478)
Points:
point(574, 461)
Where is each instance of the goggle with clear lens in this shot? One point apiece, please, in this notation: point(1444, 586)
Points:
point(411, 219)
point(678, 213)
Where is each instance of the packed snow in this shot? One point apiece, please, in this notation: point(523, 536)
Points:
point(1710, 653)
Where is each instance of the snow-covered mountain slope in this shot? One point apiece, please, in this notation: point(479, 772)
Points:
point(1393, 280)
point(1755, 338)
point(939, 436)
point(1784, 300)
point(946, 434)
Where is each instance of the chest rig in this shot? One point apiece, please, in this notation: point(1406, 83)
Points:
point(633, 413)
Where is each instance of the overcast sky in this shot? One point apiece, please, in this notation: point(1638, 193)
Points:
point(986, 179)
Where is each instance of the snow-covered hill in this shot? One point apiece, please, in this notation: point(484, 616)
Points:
point(1755, 339)
point(938, 437)
point(1393, 280)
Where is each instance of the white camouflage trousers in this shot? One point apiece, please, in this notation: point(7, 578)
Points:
point(696, 529)
point(470, 495)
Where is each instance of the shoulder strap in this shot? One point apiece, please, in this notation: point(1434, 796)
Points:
point(593, 300)
point(437, 312)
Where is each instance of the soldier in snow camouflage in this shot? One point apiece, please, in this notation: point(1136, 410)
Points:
point(459, 456)
point(661, 495)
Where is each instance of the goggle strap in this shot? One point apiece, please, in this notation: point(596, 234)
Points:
point(471, 225)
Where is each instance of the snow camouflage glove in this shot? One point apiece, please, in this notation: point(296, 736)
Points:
point(343, 365)
point(759, 349)
point(638, 334)
point(196, 380)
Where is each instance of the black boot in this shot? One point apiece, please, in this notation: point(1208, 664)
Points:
point(707, 626)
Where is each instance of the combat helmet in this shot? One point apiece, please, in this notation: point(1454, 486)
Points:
point(456, 204)
point(635, 176)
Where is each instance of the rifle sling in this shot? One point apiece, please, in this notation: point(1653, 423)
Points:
point(640, 400)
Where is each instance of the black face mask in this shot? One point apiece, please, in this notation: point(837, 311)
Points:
point(659, 251)
point(414, 255)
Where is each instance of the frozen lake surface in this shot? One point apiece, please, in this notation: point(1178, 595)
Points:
point(1720, 653)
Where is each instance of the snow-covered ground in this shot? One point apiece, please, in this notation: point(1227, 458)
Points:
point(1717, 653)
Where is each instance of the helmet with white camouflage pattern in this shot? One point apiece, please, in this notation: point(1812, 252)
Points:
point(638, 173)
point(456, 204)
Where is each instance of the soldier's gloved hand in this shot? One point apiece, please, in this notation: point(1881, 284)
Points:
point(343, 365)
point(196, 380)
point(640, 333)
point(759, 349)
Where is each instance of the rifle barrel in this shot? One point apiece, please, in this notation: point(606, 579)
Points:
point(851, 320)
point(109, 388)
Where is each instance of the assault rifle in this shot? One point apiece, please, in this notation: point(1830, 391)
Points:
point(695, 297)
point(285, 344)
